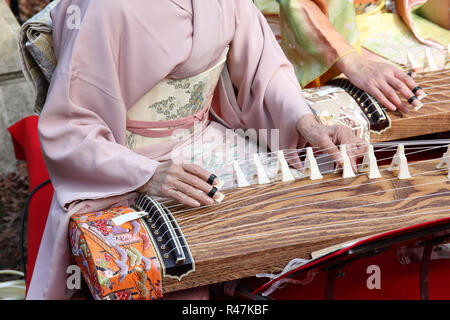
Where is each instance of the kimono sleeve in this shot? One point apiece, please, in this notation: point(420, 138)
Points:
point(268, 92)
point(315, 33)
point(82, 126)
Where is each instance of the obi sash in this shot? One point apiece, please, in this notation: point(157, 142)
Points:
point(172, 105)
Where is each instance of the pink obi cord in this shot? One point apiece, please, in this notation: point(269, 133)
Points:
point(144, 128)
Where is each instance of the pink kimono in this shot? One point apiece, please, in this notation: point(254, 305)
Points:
point(119, 52)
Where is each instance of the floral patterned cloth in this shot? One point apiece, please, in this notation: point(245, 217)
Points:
point(117, 262)
point(386, 35)
point(302, 34)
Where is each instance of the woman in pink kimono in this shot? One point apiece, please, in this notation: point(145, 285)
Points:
point(102, 141)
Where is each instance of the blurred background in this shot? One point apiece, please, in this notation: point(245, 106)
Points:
point(15, 103)
point(25, 9)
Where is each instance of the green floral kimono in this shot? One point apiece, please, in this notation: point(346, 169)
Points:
point(314, 34)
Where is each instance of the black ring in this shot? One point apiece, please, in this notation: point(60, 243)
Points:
point(212, 192)
point(211, 179)
point(416, 89)
point(410, 73)
point(410, 100)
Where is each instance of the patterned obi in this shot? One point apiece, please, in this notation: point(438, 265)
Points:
point(172, 104)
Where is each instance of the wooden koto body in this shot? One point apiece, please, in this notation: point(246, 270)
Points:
point(433, 117)
point(260, 228)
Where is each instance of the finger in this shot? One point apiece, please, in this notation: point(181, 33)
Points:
point(363, 147)
point(406, 92)
point(344, 135)
point(410, 83)
point(355, 151)
point(411, 95)
point(195, 182)
point(379, 96)
point(392, 96)
point(193, 193)
point(182, 198)
point(326, 144)
point(293, 159)
point(360, 150)
point(199, 172)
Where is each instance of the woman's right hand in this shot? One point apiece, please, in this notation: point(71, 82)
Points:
point(185, 183)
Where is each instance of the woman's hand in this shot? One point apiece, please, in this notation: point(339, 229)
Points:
point(186, 183)
point(381, 80)
point(327, 138)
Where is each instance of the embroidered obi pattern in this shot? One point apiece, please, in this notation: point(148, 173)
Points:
point(170, 102)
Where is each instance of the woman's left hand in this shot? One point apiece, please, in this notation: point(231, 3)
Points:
point(381, 80)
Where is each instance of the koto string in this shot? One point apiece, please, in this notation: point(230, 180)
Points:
point(300, 196)
point(386, 145)
point(425, 103)
point(317, 227)
point(380, 150)
point(249, 162)
point(438, 86)
point(302, 229)
point(292, 197)
point(428, 94)
point(300, 206)
point(354, 196)
point(322, 226)
point(294, 188)
point(247, 174)
point(317, 183)
point(250, 173)
point(431, 73)
point(434, 80)
point(269, 161)
point(406, 143)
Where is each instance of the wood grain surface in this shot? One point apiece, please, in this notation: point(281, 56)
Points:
point(433, 117)
point(260, 228)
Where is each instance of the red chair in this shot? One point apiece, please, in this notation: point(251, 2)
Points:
point(26, 144)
